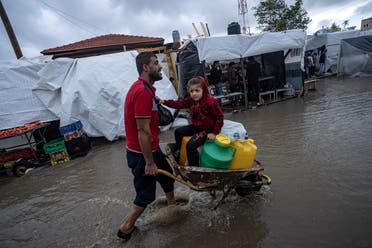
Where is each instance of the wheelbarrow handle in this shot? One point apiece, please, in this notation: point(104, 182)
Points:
point(190, 185)
point(267, 178)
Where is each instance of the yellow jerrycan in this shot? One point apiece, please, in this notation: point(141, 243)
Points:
point(183, 152)
point(244, 155)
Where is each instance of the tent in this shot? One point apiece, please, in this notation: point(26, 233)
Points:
point(239, 46)
point(18, 104)
point(90, 89)
point(355, 57)
point(332, 41)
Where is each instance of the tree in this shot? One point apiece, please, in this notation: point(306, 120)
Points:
point(269, 14)
point(296, 16)
point(345, 23)
point(334, 28)
point(275, 15)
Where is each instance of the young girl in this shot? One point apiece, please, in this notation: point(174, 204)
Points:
point(207, 118)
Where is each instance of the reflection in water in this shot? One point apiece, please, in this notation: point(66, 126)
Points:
point(316, 149)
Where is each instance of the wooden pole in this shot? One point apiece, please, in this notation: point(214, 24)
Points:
point(9, 30)
point(244, 84)
point(204, 29)
point(196, 30)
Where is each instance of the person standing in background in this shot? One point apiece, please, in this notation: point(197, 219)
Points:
point(322, 62)
point(232, 77)
point(253, 73)
point(216, 74)
point(310, 64)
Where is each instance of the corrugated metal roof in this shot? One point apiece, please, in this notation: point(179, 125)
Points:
point(105, 41)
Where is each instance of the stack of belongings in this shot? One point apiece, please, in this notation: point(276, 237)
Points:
point(77, 142)
point(57, 151)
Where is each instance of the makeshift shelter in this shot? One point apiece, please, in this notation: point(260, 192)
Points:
point(18, 104)
point(237, 47)
point(355, 57)
point(90, 89)
point(332, 41)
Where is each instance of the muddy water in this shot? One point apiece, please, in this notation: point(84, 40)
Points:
point(316, 149)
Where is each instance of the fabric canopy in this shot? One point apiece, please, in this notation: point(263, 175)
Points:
point(231, 47)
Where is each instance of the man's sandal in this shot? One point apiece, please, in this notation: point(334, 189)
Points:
point(126, 236)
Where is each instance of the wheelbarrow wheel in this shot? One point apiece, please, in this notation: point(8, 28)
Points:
point(19, 169)
point(249, 184)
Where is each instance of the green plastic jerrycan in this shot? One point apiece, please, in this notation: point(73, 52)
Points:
point(217, 154)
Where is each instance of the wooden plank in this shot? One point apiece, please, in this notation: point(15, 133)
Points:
point(159, 49)
point(172, 70)
point(308, 85)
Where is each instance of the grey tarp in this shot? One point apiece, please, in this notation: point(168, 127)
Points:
point(355, 57)
point(188, 67)
point(332, 42)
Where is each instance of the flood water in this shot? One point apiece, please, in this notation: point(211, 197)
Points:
point(316, 149)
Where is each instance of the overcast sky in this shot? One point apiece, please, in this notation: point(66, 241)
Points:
point(42, 24)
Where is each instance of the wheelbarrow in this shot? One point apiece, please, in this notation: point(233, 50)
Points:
point(243, 181)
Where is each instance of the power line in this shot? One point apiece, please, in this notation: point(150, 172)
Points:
point(75, 21)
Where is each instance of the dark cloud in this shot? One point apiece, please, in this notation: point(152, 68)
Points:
point(365, 11)
point(42, 24)
point(312, 4)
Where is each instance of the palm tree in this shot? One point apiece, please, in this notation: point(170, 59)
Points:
point(345, 23)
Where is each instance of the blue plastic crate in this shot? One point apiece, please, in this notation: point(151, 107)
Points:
point(71, 127)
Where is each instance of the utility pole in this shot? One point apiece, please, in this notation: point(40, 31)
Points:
point(242, 10)
point(9, 30)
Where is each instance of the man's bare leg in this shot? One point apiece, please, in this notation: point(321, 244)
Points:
point(128, 224)
point(170, 198)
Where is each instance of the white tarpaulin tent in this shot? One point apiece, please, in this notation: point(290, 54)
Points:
point(355, 57)
point(18, 104)
point(332, 41)
point(237, 46)
point(91, 90)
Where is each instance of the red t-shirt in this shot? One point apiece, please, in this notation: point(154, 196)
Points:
point(140, 104)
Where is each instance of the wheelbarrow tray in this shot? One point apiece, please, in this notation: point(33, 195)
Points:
point(207, 179)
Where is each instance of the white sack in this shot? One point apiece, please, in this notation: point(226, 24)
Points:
point(231, 127)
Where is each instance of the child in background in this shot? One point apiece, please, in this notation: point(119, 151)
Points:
point(207, 118)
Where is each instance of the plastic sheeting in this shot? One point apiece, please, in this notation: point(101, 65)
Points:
point(230, 128)
point(239, 46)
point(332, 42)
point(93, 90)
point(356, 57)
point(18, 104)
point(188, 67)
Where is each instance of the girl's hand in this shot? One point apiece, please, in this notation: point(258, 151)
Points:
point(158, 100)
point(211, 136)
